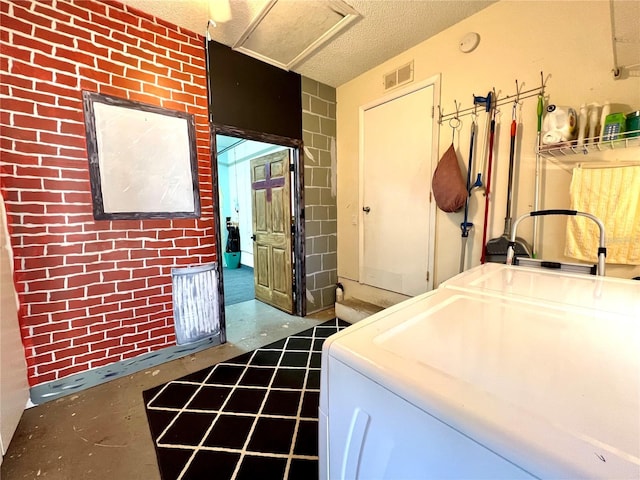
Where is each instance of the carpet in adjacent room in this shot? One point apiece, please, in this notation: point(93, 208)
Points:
point(252, 417)
point(238, 285)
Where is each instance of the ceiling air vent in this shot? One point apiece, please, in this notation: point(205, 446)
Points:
point(398, 77)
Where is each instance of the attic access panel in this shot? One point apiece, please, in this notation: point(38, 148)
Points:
point(286, 32)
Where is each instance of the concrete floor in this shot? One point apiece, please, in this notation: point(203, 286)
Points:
point(102, 432)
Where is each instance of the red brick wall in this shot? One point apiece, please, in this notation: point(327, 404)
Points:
point(92, 292)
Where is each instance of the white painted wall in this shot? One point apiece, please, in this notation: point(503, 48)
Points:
point(570, 41)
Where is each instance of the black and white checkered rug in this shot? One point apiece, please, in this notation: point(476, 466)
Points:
point(252, 417)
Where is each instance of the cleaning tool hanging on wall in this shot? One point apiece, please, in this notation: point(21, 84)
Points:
point(536, 186)
point(496, 249)
point(487, 102)
point(487, 190)
point(466, 226)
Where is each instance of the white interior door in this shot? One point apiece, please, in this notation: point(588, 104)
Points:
point(396, 167)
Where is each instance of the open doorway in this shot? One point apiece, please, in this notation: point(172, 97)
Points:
point(261, 230)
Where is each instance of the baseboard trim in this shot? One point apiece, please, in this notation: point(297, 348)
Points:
point(45, 392)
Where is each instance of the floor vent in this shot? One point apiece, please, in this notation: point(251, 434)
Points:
point(195, 303)
point(398, 77)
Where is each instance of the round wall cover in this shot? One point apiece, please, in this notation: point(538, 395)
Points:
point(469, 42)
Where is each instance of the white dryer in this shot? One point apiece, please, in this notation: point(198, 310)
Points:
point(501, 373)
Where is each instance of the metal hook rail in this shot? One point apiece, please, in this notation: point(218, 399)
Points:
point(534, 92)
point(504, 101)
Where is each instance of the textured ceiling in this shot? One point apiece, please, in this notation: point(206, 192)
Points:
point(387, 28)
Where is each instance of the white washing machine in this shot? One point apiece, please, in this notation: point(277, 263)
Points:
point(501, 373)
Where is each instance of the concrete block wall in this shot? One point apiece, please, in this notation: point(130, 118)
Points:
point(92, 292)
point(318, 133)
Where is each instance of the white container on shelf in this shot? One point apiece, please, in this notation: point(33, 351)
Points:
point(606, 110)
point(582, 124)
point(559, 124)
point(594, 117)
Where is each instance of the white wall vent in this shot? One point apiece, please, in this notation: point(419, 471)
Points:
point(195, 303)
point(399, 76)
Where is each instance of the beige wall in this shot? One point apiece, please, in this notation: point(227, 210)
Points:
point(569, 41)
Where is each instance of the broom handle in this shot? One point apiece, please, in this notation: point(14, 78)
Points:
point(483, 256)
point(512, 152)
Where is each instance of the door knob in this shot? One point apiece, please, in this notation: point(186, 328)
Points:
point(253, 237)
point(366, 209)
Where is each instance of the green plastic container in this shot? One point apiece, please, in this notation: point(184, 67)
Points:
point(232, 259)
point(632, 124)
point(614, 126)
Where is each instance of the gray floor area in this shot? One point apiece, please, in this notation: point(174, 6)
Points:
point(102, 432)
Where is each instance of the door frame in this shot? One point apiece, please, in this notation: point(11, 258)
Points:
point(297, 194)
point(431, 81)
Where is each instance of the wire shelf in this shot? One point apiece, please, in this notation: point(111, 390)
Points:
point(627, 140)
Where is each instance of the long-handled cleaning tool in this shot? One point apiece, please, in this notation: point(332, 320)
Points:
point(487, 102)
point(496, 249)
point(512, 152)
point(487, 190)
point(466, 226)
point(536, 191)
